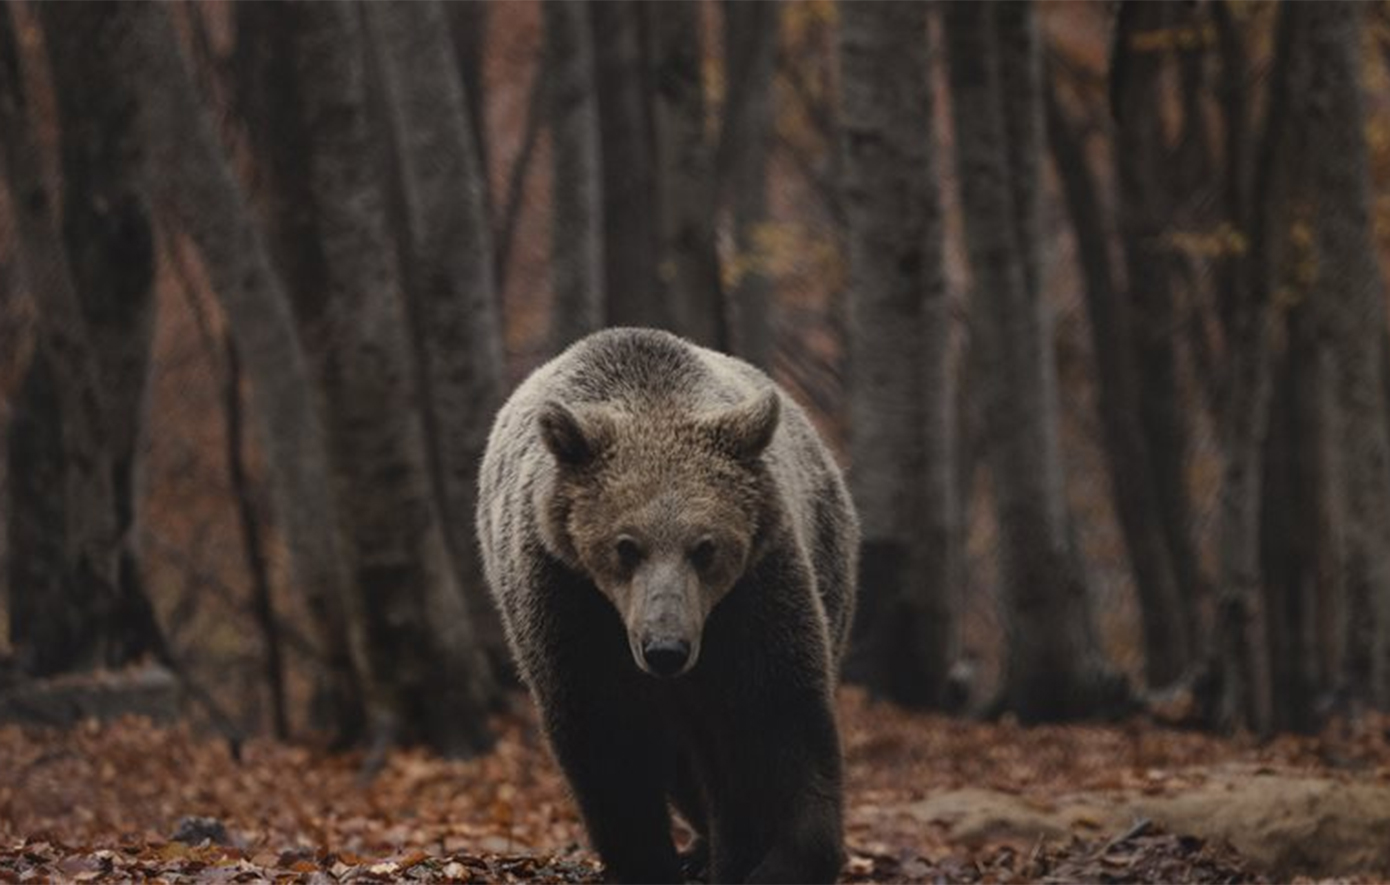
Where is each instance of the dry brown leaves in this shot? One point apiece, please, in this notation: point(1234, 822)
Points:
point(105, 801)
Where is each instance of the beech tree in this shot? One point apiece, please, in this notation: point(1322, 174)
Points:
point(1242, 667)
point(1164, 591)
point(1350, 294)
point(742, 164)
point(424, 674)
point(1148, 205)
point(576, 229)
point(444, 248)
point(631, 219)
point(76, 596)
point(1054, 668)
point(187, 175)
point(901, 407)
point(689, 265)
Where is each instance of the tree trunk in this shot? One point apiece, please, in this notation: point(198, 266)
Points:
point(631, 220)
point(1146, 206)
point(468, 27)
point(1348, 286)
point(902, 408)
point(76, 596)
point(428, 680)
point(1054, 668)
point(1238, 166)
point(1131, 479)
point(1241, 648)
point(745, 147)
point(445, 256)
point(689, 268)
point(188, 174)
point(576, 227)
point(1299, 519)
point(252, 539)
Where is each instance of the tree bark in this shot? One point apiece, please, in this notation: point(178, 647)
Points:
point(1238, 150)
point(1146, 206)
point(631, 218)
point(1132, 481)
point(1299, 538)
point(509, 218)
point(1348, 286)
point(902, 407)
point(1241, 643)
point(187, 173)
point(262, 601)
point(576, 227)
point(427, 679)
point(76, 596)
point(745, 148)
point(426, 669)
point(689, 268)
point(1054, 668)
point(446, 265)
point(468, 28)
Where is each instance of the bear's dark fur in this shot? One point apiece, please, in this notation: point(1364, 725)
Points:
point(648, 506)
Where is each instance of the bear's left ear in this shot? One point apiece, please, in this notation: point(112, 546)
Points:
point(573, 438)
point(747, 429)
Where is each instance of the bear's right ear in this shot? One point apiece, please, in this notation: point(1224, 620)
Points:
point(572, 440)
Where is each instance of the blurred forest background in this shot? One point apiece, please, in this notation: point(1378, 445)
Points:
point(1088, 296)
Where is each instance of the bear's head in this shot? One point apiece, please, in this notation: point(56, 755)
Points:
point(662, 510)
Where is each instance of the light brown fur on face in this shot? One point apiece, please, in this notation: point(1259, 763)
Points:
point(659, 514)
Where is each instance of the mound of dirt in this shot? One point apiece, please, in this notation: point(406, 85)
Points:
point(1285, 824)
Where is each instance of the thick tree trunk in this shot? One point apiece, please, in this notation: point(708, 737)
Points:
point(1348, 286)
point(902, 408)
point(576, 227)
point(1243, 653)
point(745, 147)
point(427, 679)
point(1146, 206)
point(1118, 389)
point(108, 233)
point(1241, 642)
point(631, 218)
point(689, 268)
point(1299, 519)
point(1238, 154)
point(445, 258)
point(468, 28)
point(76, 595)
point(188, 174)
point(252, 540)
point(1054, 668)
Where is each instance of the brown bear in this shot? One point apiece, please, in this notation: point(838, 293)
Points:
point(673, 551)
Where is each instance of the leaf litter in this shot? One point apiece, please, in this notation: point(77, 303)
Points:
point(132, 801)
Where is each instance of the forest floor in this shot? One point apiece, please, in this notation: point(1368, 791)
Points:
point(929, 799)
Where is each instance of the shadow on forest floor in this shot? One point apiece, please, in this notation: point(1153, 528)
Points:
point(929, 799)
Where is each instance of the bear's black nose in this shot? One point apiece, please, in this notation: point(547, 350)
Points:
point(666, 657)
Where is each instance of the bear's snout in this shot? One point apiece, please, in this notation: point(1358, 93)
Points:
point(665, 657)
point(664, 617)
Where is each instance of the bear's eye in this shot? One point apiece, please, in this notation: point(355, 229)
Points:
point(629, 553)
point(702, 554)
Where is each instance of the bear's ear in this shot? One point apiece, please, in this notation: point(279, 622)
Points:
point(746, 430)
point(573, 440)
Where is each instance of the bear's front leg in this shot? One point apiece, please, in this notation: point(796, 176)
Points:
point(809, 846)
point(618, 765)
point(778, 813)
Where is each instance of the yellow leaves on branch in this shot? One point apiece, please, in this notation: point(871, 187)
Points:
point(781, 250)
point(1185, 38)
point(1221, 241)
